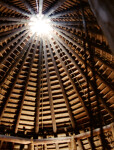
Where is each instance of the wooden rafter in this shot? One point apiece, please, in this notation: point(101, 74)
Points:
point(63, 90)
point(37, 111)
point(49, 90)
point(26, 83)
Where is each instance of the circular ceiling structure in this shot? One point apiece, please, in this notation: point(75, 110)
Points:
point(56, 70)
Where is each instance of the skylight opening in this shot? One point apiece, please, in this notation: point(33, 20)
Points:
point(40, 25)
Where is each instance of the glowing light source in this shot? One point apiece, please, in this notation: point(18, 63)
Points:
point(38, 24)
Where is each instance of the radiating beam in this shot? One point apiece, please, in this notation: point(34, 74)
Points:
point(49, 90)
point(63, 90)
point(56, 5)
point(10, 23)
point(13, 19)
point(9, 6)
point(26, 84)
point(37, 111)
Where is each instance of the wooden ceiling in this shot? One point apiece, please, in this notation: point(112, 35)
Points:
point(54, 86)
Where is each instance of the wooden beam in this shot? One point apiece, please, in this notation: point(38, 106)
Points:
point(26, 85)
point(73, 143)
point(112, 129)
point(53, 140)
point(25, 50)
point(9, 6)
point(13, 19)
point(40, 6)
point(10, 23)
point(69, 23)
point(56, 5)
point(63, 90)
point(31, 145)
point(81, 147)
point(49, 89)
point(37, 111)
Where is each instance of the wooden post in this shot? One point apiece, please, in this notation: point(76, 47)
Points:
point(1, 142)
point(31, 145)
point(73, 143)
point(112, 129)
point(45, 146)
point(69, 145)
point(80, 144)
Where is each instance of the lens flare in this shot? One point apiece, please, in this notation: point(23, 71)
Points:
point(40, 25)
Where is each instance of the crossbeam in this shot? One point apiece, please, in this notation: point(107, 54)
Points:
point(87, 134)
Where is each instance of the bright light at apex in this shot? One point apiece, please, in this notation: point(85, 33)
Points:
point(40, 25)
